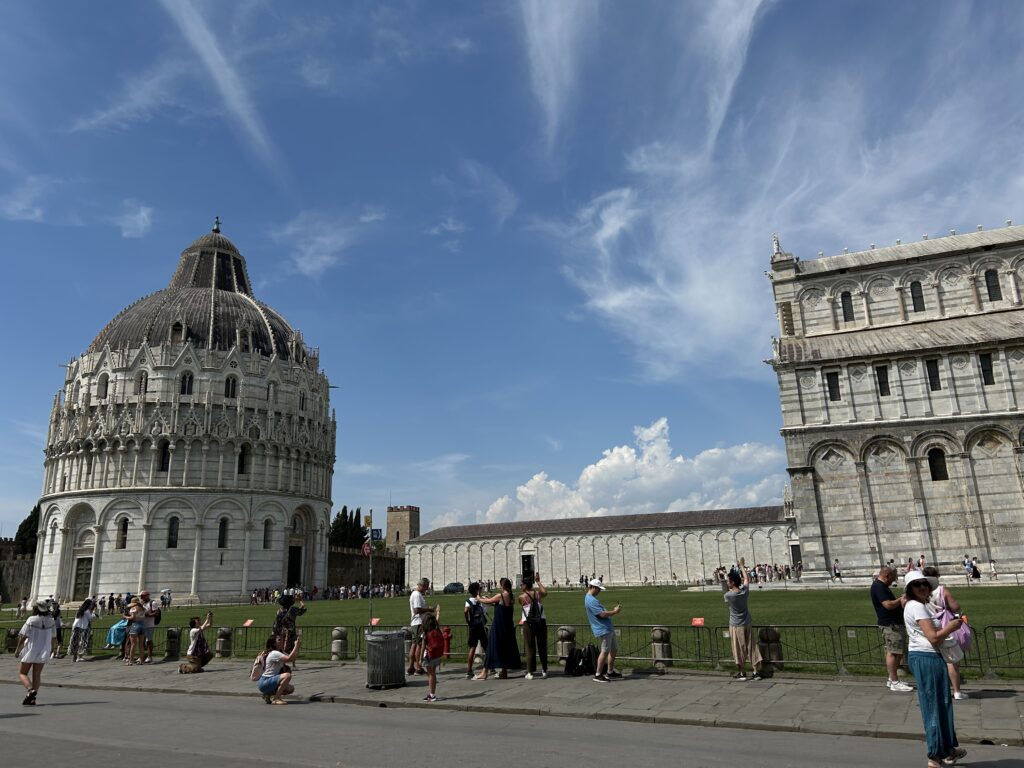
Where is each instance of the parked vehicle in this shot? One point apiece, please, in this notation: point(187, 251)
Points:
point(455, 588)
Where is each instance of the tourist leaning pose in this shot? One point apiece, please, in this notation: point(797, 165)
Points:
point(741, 629)
point(502, 649)
point(33, 649)
point(81, 630)
point(929, 669)
point(135, 615)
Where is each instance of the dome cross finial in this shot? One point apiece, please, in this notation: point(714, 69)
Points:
point(216, 224)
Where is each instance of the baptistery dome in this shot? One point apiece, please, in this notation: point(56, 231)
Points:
point(192, 446)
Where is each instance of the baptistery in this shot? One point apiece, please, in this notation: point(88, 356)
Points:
point(191, 447)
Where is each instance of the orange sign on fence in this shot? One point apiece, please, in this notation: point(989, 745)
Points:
point(697, 621)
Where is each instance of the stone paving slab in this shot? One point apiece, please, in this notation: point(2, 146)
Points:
point(840, 706)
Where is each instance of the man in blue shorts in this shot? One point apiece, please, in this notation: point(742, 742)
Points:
point(601, 626)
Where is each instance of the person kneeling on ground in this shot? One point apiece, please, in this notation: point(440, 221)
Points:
point(275, 683)
point(199, 653)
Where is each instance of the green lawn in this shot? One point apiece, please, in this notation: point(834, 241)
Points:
point(652, 605)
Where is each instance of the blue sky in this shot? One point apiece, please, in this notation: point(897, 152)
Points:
point(529, 238)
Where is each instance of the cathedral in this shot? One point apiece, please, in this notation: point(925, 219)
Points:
point(901, 378)
point(191, 447)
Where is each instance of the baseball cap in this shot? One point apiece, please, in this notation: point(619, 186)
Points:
point(596, 583)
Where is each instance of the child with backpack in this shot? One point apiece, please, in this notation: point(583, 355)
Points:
point(433, 652)
point(476, 620)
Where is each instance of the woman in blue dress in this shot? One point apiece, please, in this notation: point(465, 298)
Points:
point(502, 648)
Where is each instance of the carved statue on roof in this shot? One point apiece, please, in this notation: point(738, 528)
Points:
point(776, 247)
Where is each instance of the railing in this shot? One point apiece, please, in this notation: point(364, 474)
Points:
point(863, 645)
point(801, 645)
point(1004, 648)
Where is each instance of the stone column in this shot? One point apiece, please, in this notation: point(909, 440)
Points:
point(135, 463)
point(914, 473)
point(195, 561)
point(937, 291)
point(106, 466)
point(901, 303)
point(202, 466)
point(38, 565)
point(171, 448)
point(63, 566)
point(951, 384)
point(184, 469)
point(97, 551)
point(867, 504)
point(832, 312)
point(972, 283)
point(865, 304)
point(1011, 396)
point(145, 556)
point(153, 450)
point(245, 558)
point(849, 386)
point(1011, 280)
point(974, 507)
point(121, 451)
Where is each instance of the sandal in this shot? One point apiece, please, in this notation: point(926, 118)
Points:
point(279, 701)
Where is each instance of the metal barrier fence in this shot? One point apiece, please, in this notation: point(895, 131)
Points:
point(862, 645)
point(1004, 648)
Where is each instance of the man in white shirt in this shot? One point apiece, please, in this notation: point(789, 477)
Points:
point(417, 607)
point(152, 609)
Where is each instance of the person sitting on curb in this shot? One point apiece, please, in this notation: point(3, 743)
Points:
point(275, 682)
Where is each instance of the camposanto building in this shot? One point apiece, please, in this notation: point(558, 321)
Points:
point(191, 448)
point(901, 377)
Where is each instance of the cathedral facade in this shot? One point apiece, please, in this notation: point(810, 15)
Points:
point(191, 447)
point(901, 378)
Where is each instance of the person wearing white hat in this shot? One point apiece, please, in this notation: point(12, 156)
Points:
point(926, 636)
point(604, 631)
point(33, 649)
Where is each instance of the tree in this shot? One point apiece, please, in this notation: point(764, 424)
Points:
point(25, 538)
point(339, 528)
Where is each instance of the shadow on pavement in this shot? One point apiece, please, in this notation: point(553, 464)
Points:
point(17, 714)
point(986, 694)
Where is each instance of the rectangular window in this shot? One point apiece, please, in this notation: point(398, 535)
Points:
point(985, 362)
point(882, 377)
point(832, 380)
point(934, 382)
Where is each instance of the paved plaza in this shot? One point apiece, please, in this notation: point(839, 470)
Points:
point(841, 706)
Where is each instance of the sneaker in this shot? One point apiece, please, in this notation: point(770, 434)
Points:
point(529, 676)
point(740, 677)
point(601, 679)
point(899, 686)
point(430, 697)
point(959, 753)
point(615, 673)
point(544, 674)
point(469, 675)
point(411, 671)
point(29, 700)
point(960, 696)
point(756, 677)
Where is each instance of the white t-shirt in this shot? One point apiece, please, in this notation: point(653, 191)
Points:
point(193, 635)
point(274, 662)
point(912, 612)
point(416, 600)
point(83, 621)
point(38, 632)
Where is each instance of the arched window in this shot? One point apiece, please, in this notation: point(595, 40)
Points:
point(302, 401)
point(222, 534)
point(187, 382)
point(243, 460)
point(398, 535)
point(231, 387)
point(101, 386)
point(53, 538)
point(937, 464)
point(165, 456)
point(172, 532)
point(847, 301)
point(122, 534)
point(917, 296)
point(267, 533)
point(270, 392)
point(995, 293)
point(177, 333)
point(296, 525)
point(141, 383)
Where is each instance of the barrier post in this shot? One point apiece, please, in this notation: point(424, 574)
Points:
point(225, 642)
point(566, 642)
point(339, 643)
point(661, 647)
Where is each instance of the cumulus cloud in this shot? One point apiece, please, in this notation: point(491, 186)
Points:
point(136, 219)
point(647, 477)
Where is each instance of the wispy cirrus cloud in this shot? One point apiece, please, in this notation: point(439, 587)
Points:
point(141, 98)
point(135, 220)
point(229, 84)
point(317, 240)
point(24, 202)
point(556, 36)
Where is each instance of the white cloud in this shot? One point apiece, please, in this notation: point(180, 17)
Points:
point(478, 180)
point(317, 241)
point(358, 469)
point(371, 214)
point(646, 477)
point(462, 46)
point(228, 82)
point(447, 225)
point(141, 97)
point(136, 220)
point(23, 203)
point(557, 34)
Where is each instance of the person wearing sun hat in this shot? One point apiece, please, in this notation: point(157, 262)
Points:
point(925, 636)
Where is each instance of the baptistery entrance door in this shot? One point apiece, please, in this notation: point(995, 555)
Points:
point(83, 578)
point(294, 566)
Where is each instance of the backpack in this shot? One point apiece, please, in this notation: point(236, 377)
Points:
point(533, 613)
point(476, 617)
point(259, 666)
point(574, 663)
point(434, 645)
point(590, 659)
point(157, 616)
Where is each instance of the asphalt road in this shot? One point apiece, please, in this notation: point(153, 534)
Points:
point(103, 728)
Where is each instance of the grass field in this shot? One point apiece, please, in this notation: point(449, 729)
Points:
point(651, 605)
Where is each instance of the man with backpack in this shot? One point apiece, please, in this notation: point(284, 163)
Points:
point(601, 625)
point(476, 621)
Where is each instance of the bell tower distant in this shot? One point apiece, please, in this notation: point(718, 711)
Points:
point(403, 525)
